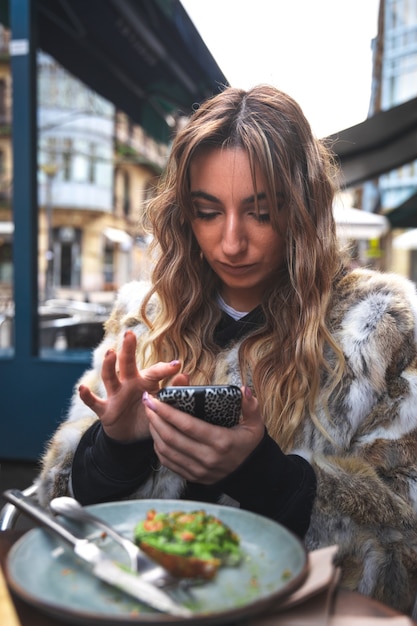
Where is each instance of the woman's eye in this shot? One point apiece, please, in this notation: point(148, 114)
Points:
point(263, 218)
point(206, 215)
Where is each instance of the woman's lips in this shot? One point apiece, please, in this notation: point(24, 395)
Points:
point(235, 270)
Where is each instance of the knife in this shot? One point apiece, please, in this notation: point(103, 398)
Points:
point(99, 563)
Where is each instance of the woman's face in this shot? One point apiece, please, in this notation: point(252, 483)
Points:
point(239, 244)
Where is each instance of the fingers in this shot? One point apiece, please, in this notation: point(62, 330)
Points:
point(150, 377)
point(175, 429)
point(250, 406)
point(127, 356)
point(180, 380)
point(185, 425)
point(123, 367)
point(126, 364)
point(194, 458)
point(108, 373)
point(199, 451)
point(95, 403)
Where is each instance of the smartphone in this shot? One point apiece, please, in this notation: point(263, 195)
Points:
point(217, 404)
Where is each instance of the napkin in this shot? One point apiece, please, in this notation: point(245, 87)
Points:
point(8, 615)
point(321, 575)
point(310, 606)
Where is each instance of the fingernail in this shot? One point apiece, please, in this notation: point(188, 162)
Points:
point(174, 362)
point(148, 401)
point(248, 393)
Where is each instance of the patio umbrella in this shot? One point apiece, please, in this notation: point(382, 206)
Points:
point(406, 241)
point(353, 223)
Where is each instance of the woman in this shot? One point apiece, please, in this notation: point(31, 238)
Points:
point(249, 287)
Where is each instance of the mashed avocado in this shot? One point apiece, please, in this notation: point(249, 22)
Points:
point(189, 534)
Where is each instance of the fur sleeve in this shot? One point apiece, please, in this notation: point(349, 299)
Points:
point(367, 476)
point(55, 476)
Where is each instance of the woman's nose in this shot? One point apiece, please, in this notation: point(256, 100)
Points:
point(234, 237)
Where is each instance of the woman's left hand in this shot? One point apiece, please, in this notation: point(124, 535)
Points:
point(198, 451)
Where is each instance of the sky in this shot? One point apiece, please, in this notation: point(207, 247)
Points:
point(318, 51)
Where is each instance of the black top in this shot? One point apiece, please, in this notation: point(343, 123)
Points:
point(268, 482)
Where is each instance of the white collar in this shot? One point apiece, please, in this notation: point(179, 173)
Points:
point(236, 315)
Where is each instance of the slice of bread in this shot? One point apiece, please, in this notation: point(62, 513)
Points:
point(188, 544)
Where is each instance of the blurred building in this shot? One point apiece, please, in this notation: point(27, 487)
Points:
point(395, 83)
point(96, 169)
point(398, 84)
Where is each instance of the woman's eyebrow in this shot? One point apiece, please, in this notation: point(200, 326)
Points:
point(262, 196)
point(252, 199)
point(249, 200)
point(208, 196)
point(204, 196)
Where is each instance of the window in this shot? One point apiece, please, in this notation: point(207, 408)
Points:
point(67, 254)
point(108, 265)
point(6, 262)
point(92, 164)
point(51, 150)
point(103, 164)
point(80, 162)
point(126, 194)
point(67, 155)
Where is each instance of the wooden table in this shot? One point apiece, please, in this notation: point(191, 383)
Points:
point(345, 602)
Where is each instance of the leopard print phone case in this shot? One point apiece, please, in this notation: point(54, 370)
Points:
point(217, 404)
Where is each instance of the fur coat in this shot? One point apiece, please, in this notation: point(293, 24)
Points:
point(366, 499)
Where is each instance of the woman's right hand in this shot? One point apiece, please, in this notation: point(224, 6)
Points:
point(122, 413)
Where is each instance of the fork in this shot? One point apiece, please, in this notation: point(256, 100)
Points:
point(139, 561)
point(153, 574)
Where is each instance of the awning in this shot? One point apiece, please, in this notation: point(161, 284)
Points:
point(144, 56)
point(378, 145)
point(406, 241)
point(116, 235)
point(405, 215)
point(353, 223)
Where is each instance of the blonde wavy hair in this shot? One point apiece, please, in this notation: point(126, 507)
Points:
point(286, 356)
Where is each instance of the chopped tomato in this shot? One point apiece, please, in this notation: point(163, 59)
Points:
point(153, 526)
point(185, 518)
point(150, 514)
point(187, 536)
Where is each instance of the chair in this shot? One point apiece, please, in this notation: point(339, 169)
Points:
point(9, 514)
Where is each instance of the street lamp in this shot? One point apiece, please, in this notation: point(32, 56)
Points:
point(50, 170)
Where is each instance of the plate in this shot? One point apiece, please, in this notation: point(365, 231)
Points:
point(46, 574)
